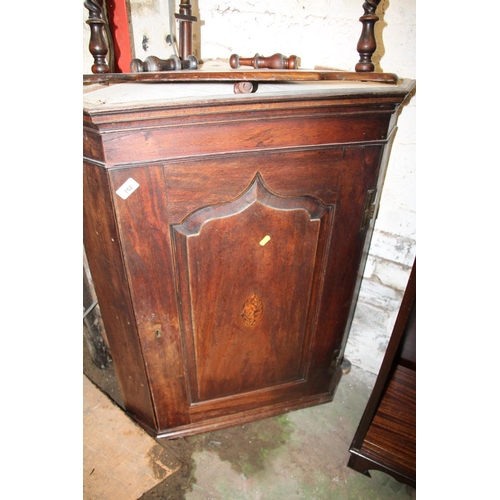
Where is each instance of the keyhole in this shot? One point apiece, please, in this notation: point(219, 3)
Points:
point(158, 333)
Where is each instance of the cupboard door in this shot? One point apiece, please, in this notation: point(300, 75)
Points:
point(246, 273)
point(242, 269)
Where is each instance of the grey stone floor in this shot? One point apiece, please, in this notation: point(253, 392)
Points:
point(300, 455)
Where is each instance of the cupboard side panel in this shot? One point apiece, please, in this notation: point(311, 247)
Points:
point(144, 231)
point(102, 246)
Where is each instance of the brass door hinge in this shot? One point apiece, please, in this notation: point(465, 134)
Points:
point(369, 210)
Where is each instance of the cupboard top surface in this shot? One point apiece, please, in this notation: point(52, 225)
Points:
point(104, 98)
point(130, 123)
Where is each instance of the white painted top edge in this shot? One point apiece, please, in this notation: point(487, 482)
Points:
point(145, 94)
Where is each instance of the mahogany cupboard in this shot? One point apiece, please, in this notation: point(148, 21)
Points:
point(226, 235)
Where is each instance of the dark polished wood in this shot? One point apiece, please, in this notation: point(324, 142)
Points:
point(367, 44)
point(386, 437)
point(186, 20)
point(268, 75)
point(98, 45)
point(153, 63)
point(228, 278)
point(276, 61)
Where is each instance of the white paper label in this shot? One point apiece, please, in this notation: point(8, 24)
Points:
point(265, 240)
point(128, 187)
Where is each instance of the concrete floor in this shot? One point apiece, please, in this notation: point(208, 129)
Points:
point(300, 455)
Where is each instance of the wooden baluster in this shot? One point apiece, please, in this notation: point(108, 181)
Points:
point(276, 61)
point(367, 43)
point(154, 64)
point(98, 45)
point(185, 29)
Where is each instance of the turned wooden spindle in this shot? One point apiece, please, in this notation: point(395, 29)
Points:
point(367, 43)
point(98, 45)
point(276, 61)
point(153, 63)
point(185, 29)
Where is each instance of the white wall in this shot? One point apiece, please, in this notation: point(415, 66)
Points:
point(324, 34)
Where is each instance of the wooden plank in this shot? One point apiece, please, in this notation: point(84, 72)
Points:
point(120, 460)
point(241, 75)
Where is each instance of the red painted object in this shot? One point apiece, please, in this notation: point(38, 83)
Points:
point(120, 33)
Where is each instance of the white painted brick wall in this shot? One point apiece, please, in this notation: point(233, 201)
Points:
point(323, 33)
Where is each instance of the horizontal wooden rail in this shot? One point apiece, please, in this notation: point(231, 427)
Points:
point(237, 76)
